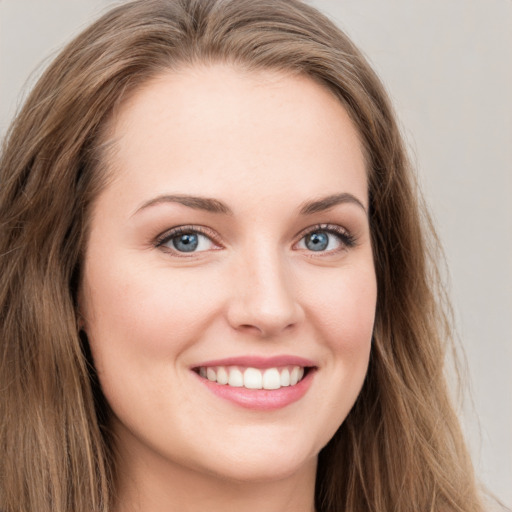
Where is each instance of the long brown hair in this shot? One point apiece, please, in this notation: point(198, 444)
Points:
point(399, 449)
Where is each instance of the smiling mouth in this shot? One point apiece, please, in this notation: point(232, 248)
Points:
point(254, 378)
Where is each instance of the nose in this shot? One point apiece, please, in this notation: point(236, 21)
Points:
point(263, 296)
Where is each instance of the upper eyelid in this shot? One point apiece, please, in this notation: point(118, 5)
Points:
point(333, 228)
point(194, 228)
point(347, 239)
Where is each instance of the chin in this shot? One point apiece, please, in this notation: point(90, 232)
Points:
point(273, 458)
point(263, 469)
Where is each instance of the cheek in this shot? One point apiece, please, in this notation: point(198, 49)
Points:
point(144, 311)
point(140, 324)
point(344, 309)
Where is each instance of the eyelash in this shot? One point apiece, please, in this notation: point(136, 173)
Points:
point(347, 240)
point(184, 230)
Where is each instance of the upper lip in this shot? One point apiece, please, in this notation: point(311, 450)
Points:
point(258, 361)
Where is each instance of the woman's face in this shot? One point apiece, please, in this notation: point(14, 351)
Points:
point(230, 252)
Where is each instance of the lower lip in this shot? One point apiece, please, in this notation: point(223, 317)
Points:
point(261, 399)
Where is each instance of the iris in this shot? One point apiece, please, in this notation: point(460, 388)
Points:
point(187, 242)
point(317, 241)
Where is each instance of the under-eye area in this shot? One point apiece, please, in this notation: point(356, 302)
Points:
point(254, 378)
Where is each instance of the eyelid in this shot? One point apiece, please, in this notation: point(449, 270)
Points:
point(347, 239)
point(164, 237)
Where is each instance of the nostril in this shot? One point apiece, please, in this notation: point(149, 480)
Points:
point(266, 306)
point(265, 330)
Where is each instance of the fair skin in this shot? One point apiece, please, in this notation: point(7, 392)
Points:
point(273, 272)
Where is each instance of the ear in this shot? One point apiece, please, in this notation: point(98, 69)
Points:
point(80, 321)
point(80, 318)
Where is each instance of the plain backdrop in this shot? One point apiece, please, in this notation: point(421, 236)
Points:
point(448, 67)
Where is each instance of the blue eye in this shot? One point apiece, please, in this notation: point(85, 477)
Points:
point(186, 241)
point(326, 239)
point(317, 241)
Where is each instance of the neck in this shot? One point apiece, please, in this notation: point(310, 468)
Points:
point(162, 486)
point(179, 490)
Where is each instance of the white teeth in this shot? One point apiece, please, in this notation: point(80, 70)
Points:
point(222, 375)
point(253, 378)
point(285, 377)
point(210, 374)
point(271, 379)
point(236, 379)
point(294, 376)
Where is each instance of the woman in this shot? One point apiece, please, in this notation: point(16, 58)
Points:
point(216, 287)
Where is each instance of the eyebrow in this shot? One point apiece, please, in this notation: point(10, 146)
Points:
point(215, 206)
point(325, 203)
point(198, 203)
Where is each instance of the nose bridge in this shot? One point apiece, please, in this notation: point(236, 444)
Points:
point(264, 297)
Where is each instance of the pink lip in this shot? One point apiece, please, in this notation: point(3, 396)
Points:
point(260, 399)
point(259, 362)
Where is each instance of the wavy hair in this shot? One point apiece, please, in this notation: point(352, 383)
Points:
point(400, 448)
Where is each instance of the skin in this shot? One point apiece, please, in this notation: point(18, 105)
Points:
point(264, 144)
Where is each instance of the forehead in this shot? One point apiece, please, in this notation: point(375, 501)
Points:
point(205, 129)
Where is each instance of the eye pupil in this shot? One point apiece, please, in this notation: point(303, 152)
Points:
point(187, 242)
point(317, 241)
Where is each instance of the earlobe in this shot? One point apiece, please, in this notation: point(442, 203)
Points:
point(80, 320)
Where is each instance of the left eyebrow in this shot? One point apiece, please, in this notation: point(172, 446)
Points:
point(325, 203)
point(198, 203)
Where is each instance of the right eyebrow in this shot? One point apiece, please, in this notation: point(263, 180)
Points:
point(196, 202)
point(325, 203)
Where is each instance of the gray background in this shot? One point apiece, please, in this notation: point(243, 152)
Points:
point(448, 66)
